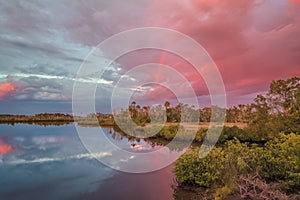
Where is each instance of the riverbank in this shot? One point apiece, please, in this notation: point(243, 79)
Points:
point(96, 120)
point(58, 119)
point(38, 118)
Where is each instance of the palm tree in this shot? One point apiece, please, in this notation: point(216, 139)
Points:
point(167, 104)
point(133, 103)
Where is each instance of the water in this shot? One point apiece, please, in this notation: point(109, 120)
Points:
point(49, 162)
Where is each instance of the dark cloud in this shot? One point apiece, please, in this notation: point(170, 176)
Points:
point(39, 47)
point(90, 22)
point(45, 69)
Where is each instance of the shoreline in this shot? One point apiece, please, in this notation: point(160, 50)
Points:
point(103, 120)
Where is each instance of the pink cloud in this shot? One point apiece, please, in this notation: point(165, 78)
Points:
point(6, 89)
point(294, 1)
point(252, 43)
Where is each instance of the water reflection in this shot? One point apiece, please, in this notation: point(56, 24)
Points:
point(41, 123)
point(154, 185)
point(4, 148)
point(154, 142)
point(49, 162)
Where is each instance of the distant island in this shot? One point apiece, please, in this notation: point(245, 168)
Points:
point(43, 117)
point(56, 119)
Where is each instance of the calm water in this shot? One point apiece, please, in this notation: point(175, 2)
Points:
point(49, 162)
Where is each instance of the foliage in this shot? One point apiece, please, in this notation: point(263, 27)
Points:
point(277, 111)
point(168, 132)
point(228, 133)
point(215, 169)
point(280, 160)
point(277, 160)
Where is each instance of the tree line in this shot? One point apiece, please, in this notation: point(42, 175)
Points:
point(279, 103)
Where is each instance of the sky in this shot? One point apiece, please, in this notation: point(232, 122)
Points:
point(43, 45)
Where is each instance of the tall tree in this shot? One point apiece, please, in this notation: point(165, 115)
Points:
point(282, 95)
